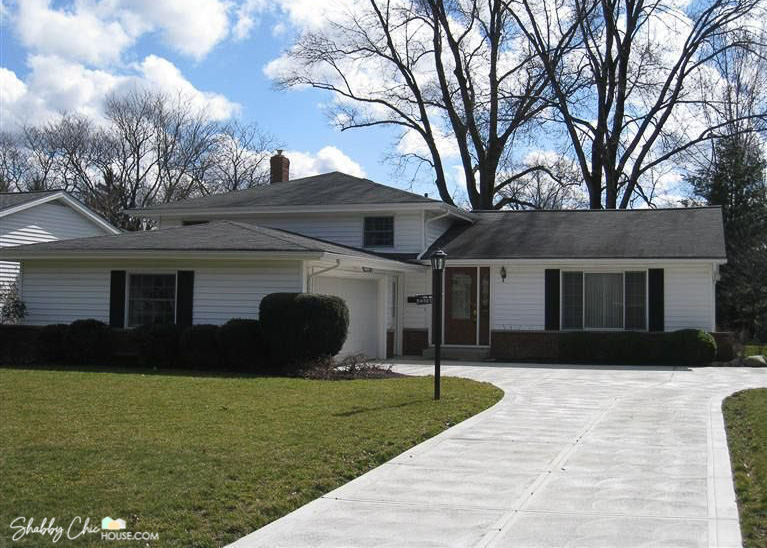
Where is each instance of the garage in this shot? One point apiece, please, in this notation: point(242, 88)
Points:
point(361, 297)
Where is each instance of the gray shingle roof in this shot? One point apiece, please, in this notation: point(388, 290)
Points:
point(217, 236)
point(587, 234)
point(13, 199)
point(329, 189)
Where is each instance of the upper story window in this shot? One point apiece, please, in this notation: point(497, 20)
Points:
point(151, 299)
point(604, 300)
point(379, 232)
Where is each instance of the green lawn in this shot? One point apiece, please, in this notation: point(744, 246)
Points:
point(754, 349)
point(202, 460)
point(745, 415)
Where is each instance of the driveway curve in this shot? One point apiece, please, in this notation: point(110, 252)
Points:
point(571, 456)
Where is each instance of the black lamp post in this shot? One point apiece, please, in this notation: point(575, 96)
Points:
point(437, 266)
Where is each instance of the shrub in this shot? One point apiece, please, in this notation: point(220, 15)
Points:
point(243, 346)
point(619, 348)
point(691, 347)
point(12, 308)
point(199, 347)
point(158, 344)
point(52, 342)
point(87, 341)
point(302, 327)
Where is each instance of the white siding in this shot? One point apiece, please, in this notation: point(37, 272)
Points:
point(42, 223)
point(517, 303)
point(435, 229)
point(417, 316)
point(226, 292)
point(61, 292)
point(689, 297)
point(345, 229)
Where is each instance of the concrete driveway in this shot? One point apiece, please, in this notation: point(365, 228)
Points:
point(572, 456)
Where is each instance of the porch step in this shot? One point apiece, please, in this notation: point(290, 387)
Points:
point(467, 353)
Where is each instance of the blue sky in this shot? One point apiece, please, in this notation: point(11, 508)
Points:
point(37, 35)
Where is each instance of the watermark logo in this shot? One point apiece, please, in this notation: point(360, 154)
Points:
point(112, 524)
point(111, 529)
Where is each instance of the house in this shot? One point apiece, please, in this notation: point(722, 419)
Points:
point(528, 272)
point(32, 217)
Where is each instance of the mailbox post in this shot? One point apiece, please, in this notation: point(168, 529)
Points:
point(437, 266)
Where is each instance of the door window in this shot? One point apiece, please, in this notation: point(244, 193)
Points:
point(460, 296)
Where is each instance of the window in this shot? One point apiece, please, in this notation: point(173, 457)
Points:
point(604, 300)
point(379, 232)
point(151, 299)
point(191, 223)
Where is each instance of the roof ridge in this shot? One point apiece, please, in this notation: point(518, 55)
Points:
point(17, 193)
point(609, 210)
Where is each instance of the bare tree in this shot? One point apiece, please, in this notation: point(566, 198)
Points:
point(626, 90)
point(455, 77)
point(152, 148)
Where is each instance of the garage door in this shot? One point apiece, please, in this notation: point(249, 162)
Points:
point(361, 297)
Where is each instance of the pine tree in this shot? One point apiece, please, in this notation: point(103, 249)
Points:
point(736, 181)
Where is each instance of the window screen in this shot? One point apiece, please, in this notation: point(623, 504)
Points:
point(151, 299)
point(379, 232)
point(603, 301)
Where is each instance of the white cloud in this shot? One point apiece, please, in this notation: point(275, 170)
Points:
point(55, 85)
point(98, 32)
point(304, 164)
point(76, 34)
point(162, 75)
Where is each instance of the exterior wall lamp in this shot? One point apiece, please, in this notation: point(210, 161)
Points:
point(503, 274)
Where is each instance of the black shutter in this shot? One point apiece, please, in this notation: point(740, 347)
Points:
point(117, 298)
point(184, 296)
point(552, 299)
point(655, 299)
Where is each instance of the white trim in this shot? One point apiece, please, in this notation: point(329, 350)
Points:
point(589, 261)
point(73, 203)
point(149, 272)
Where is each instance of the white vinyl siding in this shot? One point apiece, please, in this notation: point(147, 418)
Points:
point(437, 228)
point(344, 229)
point(61, 292)
point(518, 304)
point(417, 316)
point(41, 223)
point(689, 295)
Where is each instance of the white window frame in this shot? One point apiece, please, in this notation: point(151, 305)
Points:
point(393, 232)
point(154, 272)
point(622, 272)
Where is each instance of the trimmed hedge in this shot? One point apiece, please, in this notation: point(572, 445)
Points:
point(51, 340)
point(303, 327)
point(243, 345)
point(691, 347)
point(158, 344)
point(87, 341)
point(199, 347)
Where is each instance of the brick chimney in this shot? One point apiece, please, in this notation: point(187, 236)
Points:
point(280, 168)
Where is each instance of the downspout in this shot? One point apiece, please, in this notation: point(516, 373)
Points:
point(309, 278)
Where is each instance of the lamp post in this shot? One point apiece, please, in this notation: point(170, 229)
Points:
point(437, 266)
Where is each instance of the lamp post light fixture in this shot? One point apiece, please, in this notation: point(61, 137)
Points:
point(437, 266)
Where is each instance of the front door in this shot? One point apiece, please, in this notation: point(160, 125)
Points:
point(467, 289)
point(461, 305)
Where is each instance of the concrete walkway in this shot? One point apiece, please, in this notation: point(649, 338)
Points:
point(572, 456)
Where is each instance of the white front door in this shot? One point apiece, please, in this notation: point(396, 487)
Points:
point(361, 297)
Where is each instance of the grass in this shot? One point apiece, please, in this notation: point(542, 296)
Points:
point(202, 460)
point(745, 415)
point(754, 349)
